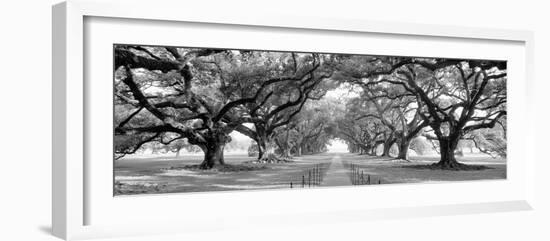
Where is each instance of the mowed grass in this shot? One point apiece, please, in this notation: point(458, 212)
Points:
point(390, 170)
point(170, 175)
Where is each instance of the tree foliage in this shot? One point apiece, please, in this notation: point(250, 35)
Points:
point(189, 97)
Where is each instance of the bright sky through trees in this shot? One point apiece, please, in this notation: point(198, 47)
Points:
point(337, 146)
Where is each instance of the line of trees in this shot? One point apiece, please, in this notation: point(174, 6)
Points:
point(166, 95)
point(446, 100)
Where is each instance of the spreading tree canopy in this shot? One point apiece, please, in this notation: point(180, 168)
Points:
point(181, 97)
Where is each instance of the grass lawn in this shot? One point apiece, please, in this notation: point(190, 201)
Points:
point(168, 175)
point(172, 175)
point(394, 171)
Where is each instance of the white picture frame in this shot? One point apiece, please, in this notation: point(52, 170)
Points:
point(72, 191)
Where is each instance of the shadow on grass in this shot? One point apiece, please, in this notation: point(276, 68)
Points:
point(459, 167)
point(223, 168)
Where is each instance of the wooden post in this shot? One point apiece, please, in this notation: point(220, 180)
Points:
point(315, 175)
point(355, 175)
point(352, 174)
point(309, 178)
point(318, 176)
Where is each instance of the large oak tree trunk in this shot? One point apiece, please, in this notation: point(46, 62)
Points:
point(213, 155)
point(213, 150)
point(305, 150)
point(268, 154)
point(260, 149)
point(286, 154)
point(266, 149)
point(387, 147)
point(404, 149)
point(447, 147)
point(364, 150)
point(372, 151)
point(266, 146)
point(285, 147)
point(353, 149)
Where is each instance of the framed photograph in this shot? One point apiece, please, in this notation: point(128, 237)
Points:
point(166, 123)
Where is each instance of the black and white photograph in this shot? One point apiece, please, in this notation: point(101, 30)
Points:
point(189, 119)
point(281, 120)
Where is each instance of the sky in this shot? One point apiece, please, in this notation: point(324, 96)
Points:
point(336, 146)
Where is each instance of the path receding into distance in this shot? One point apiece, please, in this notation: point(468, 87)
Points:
point(336, 174)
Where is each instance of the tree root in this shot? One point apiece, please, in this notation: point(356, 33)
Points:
point(400, 160)
point(272, 159)
point(205, 166)
point(452, 166)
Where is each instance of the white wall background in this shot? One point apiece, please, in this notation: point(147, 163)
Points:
point(25, 120)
